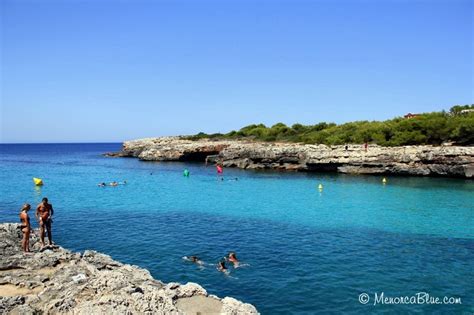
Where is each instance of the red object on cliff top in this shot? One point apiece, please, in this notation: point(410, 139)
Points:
point(410, 115)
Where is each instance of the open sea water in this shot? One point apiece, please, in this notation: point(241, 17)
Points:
point(305, 251)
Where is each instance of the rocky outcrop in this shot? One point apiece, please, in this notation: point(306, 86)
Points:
point(57, 281)
point(452, 161)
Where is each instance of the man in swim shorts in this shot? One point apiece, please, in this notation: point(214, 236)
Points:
point(44, 213)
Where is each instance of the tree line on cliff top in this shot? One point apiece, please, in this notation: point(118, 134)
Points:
point(456, 126)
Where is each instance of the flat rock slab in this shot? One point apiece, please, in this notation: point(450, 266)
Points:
point(199, 305)
point(13, 290)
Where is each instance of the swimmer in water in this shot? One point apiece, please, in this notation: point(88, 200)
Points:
point(102, 185)
point(233, 259)
point(222, 267)
point(194, 259)
point(113, 184)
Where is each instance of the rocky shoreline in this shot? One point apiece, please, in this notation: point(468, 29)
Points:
point(447, 161)
point(57, 281)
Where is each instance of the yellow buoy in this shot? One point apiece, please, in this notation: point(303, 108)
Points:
point(38, 181)
point(384, 180)
point(320, 186)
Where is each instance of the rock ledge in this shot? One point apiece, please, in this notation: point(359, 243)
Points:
point(449, 161)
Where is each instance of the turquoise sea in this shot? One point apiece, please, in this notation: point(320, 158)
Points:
point(307, 251)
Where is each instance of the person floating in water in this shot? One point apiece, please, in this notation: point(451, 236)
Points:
point(25, 227)
point(233, 259)
point(44, 214)
point(113, 184)
point(194, 259)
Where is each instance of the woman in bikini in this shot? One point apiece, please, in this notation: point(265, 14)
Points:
point(25, 227)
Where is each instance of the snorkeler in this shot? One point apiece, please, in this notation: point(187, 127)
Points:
point(102, 184)
point(113, 184)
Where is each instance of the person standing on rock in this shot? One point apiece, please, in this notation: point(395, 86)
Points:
point(25, 227)
point(44, 213)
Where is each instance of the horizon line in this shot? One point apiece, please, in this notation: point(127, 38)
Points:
point(91, 142)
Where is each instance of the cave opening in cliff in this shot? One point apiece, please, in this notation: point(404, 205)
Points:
point(197, 156)
point(322, 167)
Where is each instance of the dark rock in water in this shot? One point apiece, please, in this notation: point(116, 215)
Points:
point(451, 161)
point(117, 154)
point(58, 281)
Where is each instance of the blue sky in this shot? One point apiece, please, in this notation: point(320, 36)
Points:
point(103, 70)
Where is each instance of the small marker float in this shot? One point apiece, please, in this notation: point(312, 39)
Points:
point(384, 180)
point(186, 172)
point(38, 181)
point(320, 187)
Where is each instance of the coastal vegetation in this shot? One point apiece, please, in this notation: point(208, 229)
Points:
point(455, 125)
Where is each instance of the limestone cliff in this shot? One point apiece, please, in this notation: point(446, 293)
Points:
point(57, 281)
point(452, 161)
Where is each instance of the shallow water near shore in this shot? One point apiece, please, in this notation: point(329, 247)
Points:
point(307, 250)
